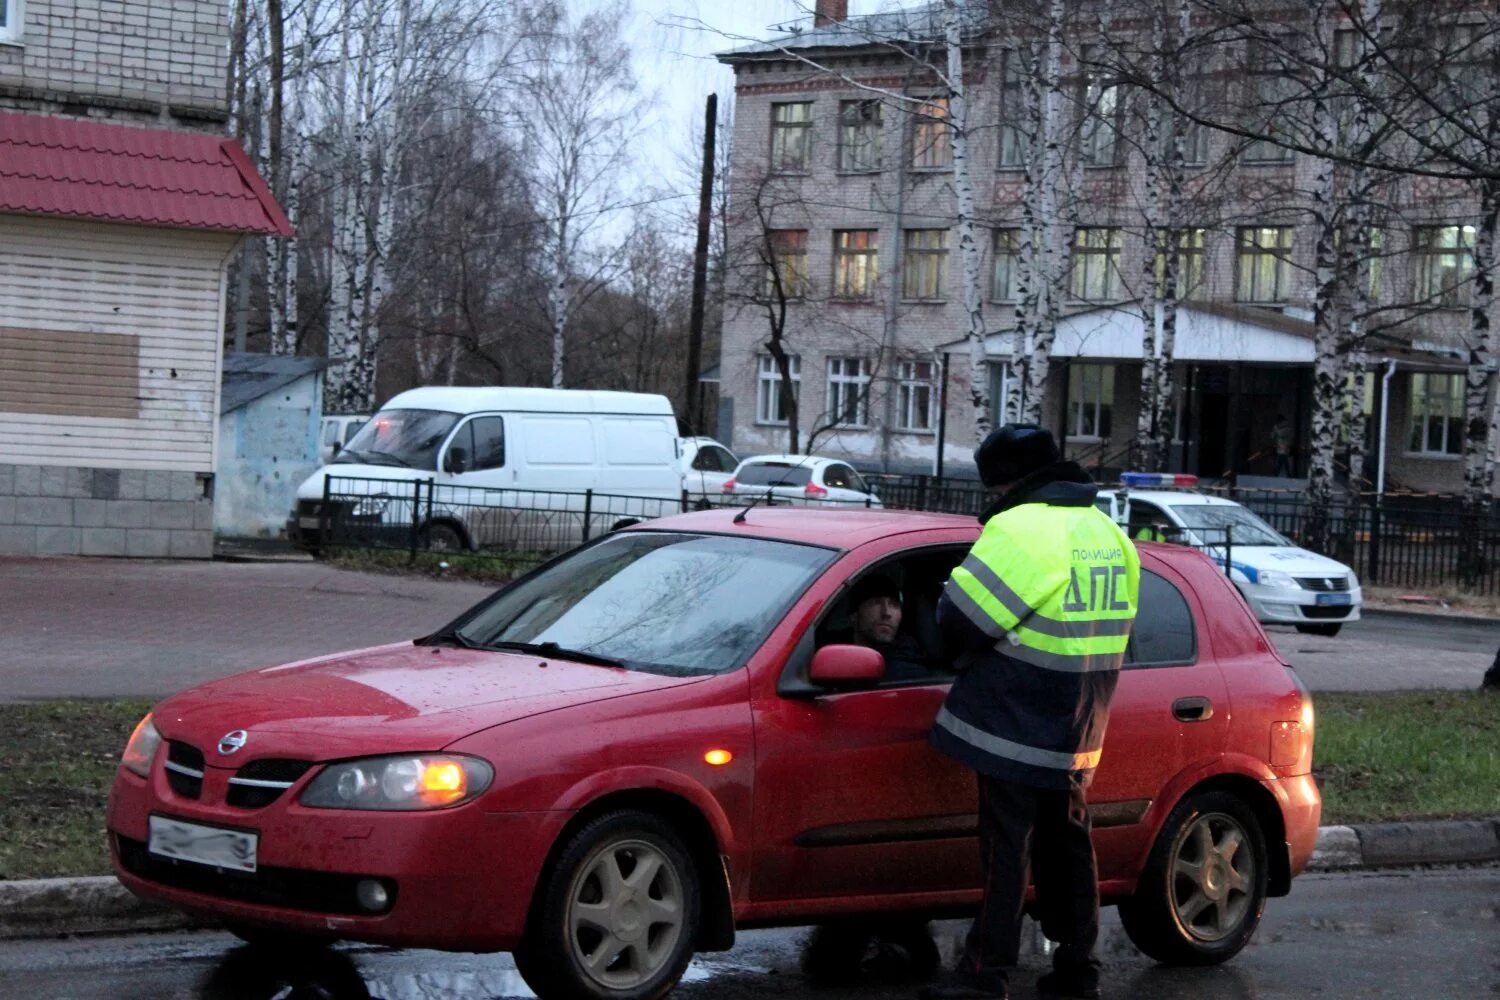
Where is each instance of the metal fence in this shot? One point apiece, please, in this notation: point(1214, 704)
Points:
point(1399, 540)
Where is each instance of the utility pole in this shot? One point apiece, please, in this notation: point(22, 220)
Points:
point(700, 267)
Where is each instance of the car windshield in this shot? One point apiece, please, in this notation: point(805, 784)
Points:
point(400, 437)
point(663, 602)
point(1210, 521)
point(774, 474)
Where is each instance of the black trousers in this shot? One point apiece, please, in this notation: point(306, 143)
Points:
point(1047, 830)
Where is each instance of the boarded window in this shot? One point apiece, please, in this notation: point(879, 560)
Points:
point(70, 373)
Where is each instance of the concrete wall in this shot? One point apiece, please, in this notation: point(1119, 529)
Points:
point(267, 448)
point(154, 62)
point(78, 510)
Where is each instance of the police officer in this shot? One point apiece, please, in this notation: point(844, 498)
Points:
point(1035, 621)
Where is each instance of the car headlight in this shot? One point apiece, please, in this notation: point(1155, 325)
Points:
point(1277, 579)
point(372, 506)
point(140, 749)
point(403, 782)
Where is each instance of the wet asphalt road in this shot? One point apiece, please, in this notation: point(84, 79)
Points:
point(1400, 934)
point(1393, 650)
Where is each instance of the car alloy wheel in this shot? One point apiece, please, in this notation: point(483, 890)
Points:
point(625, 913)
point(1213, 871)
point(1200, 896)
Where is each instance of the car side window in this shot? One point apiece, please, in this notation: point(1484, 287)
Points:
point(330, 432)
point(353, 429)
point(707, 460)
point(1164, 634)
point(463, 439)
point(837, 476)
point(489, 443)
point(727, 462)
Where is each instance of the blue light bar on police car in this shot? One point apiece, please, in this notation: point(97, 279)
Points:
point(1146, 479)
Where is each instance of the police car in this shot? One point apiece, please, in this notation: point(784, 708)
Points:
point(1284, 584)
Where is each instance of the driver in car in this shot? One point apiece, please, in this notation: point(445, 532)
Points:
point(876, 604)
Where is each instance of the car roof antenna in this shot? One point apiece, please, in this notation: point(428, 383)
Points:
point(769, 498)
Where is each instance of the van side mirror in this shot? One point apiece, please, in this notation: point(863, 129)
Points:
point(456, 461)
point(840, 666)
point(337, 447)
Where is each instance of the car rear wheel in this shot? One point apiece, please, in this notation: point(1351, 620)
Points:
point(616, 916)
point(443, 538)
point(1328, 630)
point(1201, 895)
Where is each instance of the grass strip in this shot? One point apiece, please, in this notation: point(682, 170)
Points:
point(479, 567)
point(60, 759)
point(1394, 755)
point(1379, 756)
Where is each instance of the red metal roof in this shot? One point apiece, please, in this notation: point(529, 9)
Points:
point(117, 173)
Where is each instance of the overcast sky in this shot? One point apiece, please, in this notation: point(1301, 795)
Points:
point(674, 42)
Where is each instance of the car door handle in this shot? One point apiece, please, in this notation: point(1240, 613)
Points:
point(1195, 709)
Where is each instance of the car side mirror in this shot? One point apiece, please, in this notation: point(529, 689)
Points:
point(336, 449)
point(457, 461)
point(841, 665)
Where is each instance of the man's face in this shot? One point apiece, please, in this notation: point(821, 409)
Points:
point(877, 620)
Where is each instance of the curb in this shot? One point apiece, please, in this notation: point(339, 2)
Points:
point(35, 908)
point(1426, 616)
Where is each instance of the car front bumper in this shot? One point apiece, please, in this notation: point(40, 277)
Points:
point(1295, 606)
point(462, 877)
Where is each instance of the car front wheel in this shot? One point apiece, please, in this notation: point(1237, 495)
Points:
point(617, 914)
point(1201, 895)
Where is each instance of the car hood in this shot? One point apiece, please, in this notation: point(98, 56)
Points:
point(1284, 559)
point(388, 699)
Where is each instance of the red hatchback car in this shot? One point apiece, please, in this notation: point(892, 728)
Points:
point(663, 736)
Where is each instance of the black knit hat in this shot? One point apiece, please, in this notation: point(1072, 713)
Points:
point(1013, 452)
point(874, 585)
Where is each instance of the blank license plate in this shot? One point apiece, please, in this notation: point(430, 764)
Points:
point(204, 845)
point(1335, 599)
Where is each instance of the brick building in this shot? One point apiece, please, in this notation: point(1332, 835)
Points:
point(856, 195)
point(121, 202)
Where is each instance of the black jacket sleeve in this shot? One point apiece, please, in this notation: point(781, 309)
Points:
point(962, 639)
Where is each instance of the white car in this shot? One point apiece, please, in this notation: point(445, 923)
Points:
point(337, 431)
point(706, 467)
point(801, 479)
point(1282, 583)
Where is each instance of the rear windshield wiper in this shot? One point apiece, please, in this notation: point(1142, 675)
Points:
point(553, 649)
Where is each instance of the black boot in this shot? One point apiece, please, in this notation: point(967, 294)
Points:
point(1058, 985)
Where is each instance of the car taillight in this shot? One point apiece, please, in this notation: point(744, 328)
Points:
point(814, 490)
point(1292, 742)
point(728, 485)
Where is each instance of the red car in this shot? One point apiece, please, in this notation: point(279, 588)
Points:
point(663, 736)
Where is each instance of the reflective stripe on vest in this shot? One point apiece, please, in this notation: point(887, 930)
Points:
point(1019, 752)
point(1057, 587)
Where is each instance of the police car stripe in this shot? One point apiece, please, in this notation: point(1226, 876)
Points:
point(1018, 752)
point(971, 609)
point(1061, 662)
point(989, 580)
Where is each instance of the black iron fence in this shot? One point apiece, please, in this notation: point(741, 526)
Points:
point(1400, 540)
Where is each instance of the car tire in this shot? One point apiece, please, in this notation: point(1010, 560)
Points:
point(441, 537)
point(1186, 912)
point(603, 927)
point(1329, 630)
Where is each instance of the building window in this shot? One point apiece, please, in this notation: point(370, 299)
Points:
point(1272, 86)
point(931, 141)
point(1098, 135)
point(1437, 414)
point(1445, 263)
point(916, 395)
point(1012, 112)
point(768, 408)
point(1096, 265)
point(12, 16)
point(1004, 276)
point(791, 136)
point(1265, 265)
point(859, 136)
point(856, 263)
point(1001, 380)
point(849, 392)
point(788, 253)
point(1376, 263)
point(1091, 396)
point(1190, 244)
point(924, 269)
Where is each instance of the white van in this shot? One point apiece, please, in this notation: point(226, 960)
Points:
point(466, 468)
point(337, 431)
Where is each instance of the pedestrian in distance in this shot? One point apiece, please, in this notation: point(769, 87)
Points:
point(1034, 622)
point(1281, 444)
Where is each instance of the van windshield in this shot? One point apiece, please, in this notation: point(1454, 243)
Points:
point(409, 438)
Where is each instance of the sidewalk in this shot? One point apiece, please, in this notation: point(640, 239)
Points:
point(36, 908)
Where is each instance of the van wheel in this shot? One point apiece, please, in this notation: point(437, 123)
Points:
point(1328, 630)
point(1200, 897)
point(443, 538)
point(616, 916)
